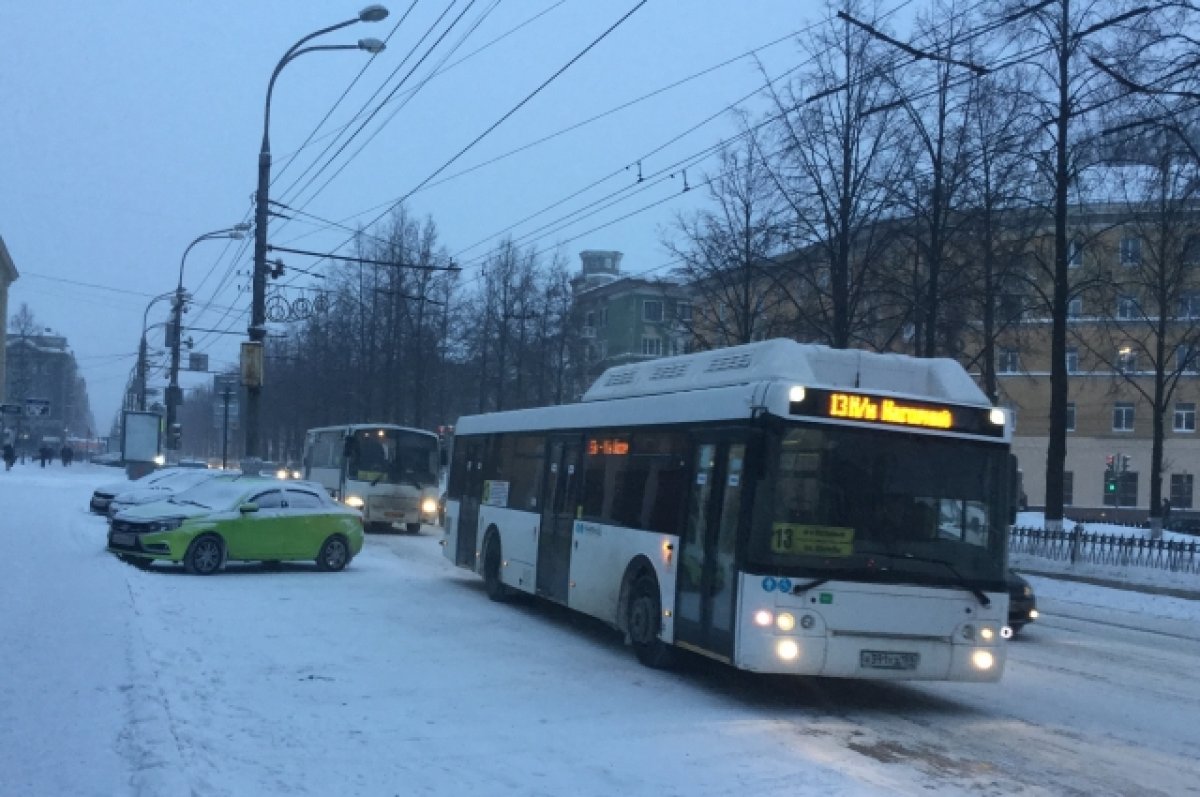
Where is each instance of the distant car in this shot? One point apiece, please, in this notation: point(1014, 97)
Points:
point(249, 518)
point(1022, 604)
point(174, 482)
point(103, 495)
point(111, 458)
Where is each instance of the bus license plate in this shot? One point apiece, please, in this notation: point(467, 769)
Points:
point(888, 660)
point(124, 539)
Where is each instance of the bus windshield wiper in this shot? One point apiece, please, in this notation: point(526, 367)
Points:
point(979, 594)
point(800, 589)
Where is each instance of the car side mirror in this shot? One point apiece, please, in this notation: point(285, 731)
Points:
point(246, 509)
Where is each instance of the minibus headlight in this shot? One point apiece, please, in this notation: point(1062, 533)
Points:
point(429, 506)
point(355, 501)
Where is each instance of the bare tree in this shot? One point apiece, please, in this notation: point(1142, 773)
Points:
point(836, 160)
point(727, 251)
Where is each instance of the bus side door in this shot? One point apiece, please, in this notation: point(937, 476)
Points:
point(469, 498)
point(705, 610)
point(564, 476)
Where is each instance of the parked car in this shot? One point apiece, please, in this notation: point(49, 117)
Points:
point(103, 495)
point(176, 481)
point(1022, 604)
point(250, 518)
point(110, 458)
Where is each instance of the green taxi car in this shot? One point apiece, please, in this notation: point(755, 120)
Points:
point(239, 518)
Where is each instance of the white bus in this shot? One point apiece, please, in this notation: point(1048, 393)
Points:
point(388, 472)
point(784, 508)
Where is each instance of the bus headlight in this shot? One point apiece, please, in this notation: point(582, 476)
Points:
point(160, 460)
point(787, 649)
point(355, 501)
point(983, 660)
point(785, 621)
point(996, 416)
point(429, 506)
point(281, 473)
point(763, 618)
point(987, 633)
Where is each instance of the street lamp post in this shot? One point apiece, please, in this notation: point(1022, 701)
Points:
point(235, 232)
point(141, 363)
point(258, 316)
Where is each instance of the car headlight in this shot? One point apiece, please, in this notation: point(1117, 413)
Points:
point(297, 474)
point(355, 501)
point(429, 506)
point(166, 524)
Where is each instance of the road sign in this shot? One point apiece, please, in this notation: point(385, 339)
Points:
point(10, 409)
point(37, 408)
point(197, 361)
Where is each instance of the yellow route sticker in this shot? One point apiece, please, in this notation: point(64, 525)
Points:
point(795, 538)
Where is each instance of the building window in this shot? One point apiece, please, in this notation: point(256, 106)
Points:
point(652, 346)
point(1123, 416)
point(1126, 360)
point(1009, 362)
point(1181, 491)
point(1068, 487)
point(1186, 358)
point(1189, 305)
point(1131, 251)
point(1185, 417)
point(1070, 416)
point(1075, 253)
point(1072, 360)
point(683, 311)
point(1127, 307)
point(589, 319)
point(652, 310)
point(1075, 308)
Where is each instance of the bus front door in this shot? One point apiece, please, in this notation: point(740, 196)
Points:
point(707, 584)
point(564, 475)
point(468, 509)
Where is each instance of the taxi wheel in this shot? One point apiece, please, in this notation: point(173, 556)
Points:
point(204, 556)
point(334, 555)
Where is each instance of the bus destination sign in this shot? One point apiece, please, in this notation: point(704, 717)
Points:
point(849, 406)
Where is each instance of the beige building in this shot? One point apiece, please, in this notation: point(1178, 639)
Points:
point(1134, 318)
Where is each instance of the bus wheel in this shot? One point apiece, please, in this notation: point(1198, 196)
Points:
point(413, 528)
point(492, 584)
point(644, 622)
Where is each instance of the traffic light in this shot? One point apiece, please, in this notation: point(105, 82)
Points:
point(1124, 462)
point(1110, 463)
point(1110, 483)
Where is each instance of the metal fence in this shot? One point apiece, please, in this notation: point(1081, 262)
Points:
point(1074, 545)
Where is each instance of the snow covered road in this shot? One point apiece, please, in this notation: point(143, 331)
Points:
point(398, 676)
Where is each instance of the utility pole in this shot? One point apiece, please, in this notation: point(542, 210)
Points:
point(226, 395)
point(173, 391)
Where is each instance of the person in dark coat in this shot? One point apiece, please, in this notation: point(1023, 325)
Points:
point(44, 455)
point(10, 456)
point(66, 454)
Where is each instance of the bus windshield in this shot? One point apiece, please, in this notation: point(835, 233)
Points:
point(884, 506)
point(392, 456)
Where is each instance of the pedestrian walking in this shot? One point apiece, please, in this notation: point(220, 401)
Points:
point(44, 454)
point(10, 456)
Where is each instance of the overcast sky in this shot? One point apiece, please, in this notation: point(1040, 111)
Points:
point(132, 127)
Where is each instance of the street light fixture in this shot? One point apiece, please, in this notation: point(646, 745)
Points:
point(236, 232)
point(258, 300)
